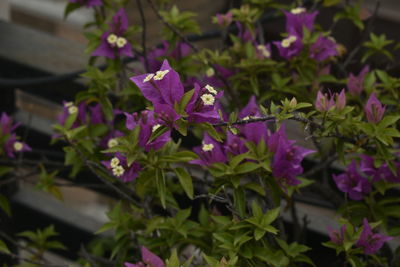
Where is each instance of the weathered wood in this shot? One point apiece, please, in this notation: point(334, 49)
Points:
point(40, 50)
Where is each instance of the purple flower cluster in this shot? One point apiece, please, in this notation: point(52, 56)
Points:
point(325, 102)
point(286, 160)
point(148, 123)
point(148, 259)
point(296, 20)
point(113, 42)
point(369, 241)
point(165, 90)
point(11, 143)
point(155, 56)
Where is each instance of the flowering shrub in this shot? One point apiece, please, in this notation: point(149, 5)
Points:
point(210, 126)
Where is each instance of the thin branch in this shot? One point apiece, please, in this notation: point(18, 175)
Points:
point(144, 31)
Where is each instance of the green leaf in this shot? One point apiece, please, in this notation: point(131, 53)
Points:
point(270, 216)
point(186, 181)
point(161, 187)
point(5, 205)
point(4, 248)
point(211, 131)
point(158, 132)
point(184, 101)
point(5, 170)
point(173, 261)
point(246, 167)
point(181, 156)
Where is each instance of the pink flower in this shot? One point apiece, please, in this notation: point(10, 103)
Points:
point(374, 109)
point(371, 242)
point(355, 84)
point(325, 102)
point(149, 259)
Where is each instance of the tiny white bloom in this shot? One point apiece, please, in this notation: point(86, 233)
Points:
point(210, 72)
point(112, 39)
point(121, 42)
point(207, 147)
point(18, 146)
point(155, 127)
point(112, 143)
point(292, 38)
point(208, 99)
point(118, 171)
point(211, 89)
point(148, 77)
point(114, 162)
point(298, 10)
point(246, 118)
point(264, 51)
point(68, 104)
point(72, 109)
point(160, 74)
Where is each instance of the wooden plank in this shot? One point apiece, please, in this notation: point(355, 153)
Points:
point(39, 50)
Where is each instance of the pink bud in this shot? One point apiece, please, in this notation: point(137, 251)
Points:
point(374, 109)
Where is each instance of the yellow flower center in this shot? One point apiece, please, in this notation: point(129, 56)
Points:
point(112, 143)
point(118, 171)
point(121, 42)
point(68, 104)
point(112, 39)
point(160, 74)
point(207, 147)
point(211, 89)
point(208, 99)
point(18, 146)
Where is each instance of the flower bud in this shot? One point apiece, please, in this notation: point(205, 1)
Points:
point(374, 109)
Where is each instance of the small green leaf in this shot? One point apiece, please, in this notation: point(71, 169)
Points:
point(4, 248)
point(5, 205)
point(161, 187)
point(186, 181)
point(246, 167)
point(158, 132)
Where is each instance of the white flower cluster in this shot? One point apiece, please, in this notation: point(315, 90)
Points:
point(118, 41)
point(117, 169)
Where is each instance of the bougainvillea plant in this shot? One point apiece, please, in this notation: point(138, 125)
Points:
point(199, 143)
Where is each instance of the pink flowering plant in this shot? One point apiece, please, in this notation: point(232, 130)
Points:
point(211, 150)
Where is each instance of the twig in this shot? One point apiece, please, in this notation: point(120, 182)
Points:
point(144, 29)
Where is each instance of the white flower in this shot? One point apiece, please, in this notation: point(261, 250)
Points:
point(118, 171)
point(72, 109)
point(160, 74)
point(114, 162)
point(112, 143)
point(208, 99)
point(112, 39)
point(211, 89)
point(68, 104)
point(246, 118)
point(121, 42)
point(155, 127)
point(288, 41)
point(18, 146)
point(148, 78)
point(298, 10)
point(210, 72)
point(264, 51)
point(207, 147)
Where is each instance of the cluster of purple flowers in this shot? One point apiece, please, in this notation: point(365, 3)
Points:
point(148, 123)
point(287, 157)
point(148, 259)
point(297, 19)
point(325, 102)
point(113, 42)
point(165, 90)
point(8, 137)
point(369, 241)
point(358, 178)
